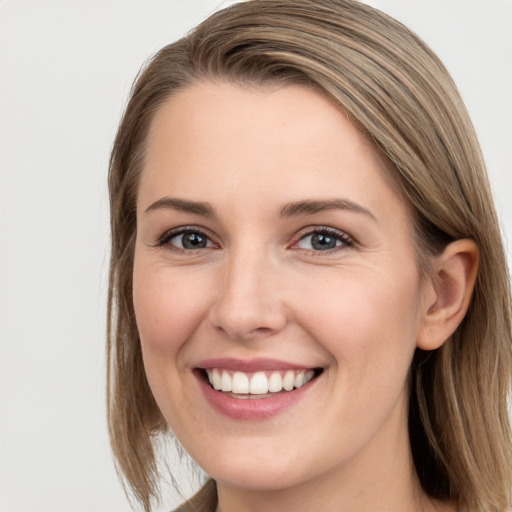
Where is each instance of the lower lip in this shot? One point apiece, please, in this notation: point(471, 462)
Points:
point(251, 409)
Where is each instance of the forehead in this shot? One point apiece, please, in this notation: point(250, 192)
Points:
point(224, 142)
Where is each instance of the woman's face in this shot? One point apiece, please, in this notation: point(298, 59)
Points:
point(270, 249)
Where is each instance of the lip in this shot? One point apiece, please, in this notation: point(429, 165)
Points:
point(256, 409)
point(252, 365)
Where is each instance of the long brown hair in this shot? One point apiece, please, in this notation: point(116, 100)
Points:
point(397, 92)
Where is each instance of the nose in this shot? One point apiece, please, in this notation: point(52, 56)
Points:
point(248, 304)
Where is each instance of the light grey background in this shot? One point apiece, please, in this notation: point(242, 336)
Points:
point(65, 72)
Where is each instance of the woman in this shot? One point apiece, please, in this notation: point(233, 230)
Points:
point(308, 286)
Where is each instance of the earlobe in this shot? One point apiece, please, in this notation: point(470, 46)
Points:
point(451, 288)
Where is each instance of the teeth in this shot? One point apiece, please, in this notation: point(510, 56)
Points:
point(275, 383)
point(289, 381)
point(299, 380)
point(240, 383)
point(226, 382)
point(216, 380)
point(259, 383)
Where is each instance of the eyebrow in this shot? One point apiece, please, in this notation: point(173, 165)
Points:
point(183, 205)
point(292, 209)
point(310, 207)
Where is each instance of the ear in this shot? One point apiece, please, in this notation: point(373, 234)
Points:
point(448, 293)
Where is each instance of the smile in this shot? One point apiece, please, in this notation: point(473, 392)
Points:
point(257, 384)
point(254, 390)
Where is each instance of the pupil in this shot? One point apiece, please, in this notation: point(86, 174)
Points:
point(323, 242)
point(193, 241)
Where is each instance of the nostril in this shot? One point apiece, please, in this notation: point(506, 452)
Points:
point(261, 330)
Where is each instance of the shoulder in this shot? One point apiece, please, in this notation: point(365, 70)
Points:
point(205, 500)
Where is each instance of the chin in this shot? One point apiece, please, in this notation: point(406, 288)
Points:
point(256, 478)
point(261, 468)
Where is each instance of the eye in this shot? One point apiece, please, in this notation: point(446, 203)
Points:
point(324, 239)
point(186, 239)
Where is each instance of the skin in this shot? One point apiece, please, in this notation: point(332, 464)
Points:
point(261, 289)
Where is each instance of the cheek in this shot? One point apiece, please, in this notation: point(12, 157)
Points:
point(368, 323)
point(167, 309)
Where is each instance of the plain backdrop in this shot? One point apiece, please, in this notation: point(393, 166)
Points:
point(66, 67)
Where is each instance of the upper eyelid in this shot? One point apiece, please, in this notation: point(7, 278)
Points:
point(171, 233)
point(310, 230)
point(347, 240)
point(300, 234)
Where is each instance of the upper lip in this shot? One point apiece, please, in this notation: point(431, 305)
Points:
point(251, 365)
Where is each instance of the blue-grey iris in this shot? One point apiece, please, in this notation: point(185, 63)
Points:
point(193, 241)
point(322, 242)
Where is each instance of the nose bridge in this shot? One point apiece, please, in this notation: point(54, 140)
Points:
point(248, 300)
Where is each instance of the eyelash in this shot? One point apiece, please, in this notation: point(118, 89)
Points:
point(339, 236)
point(189, 230)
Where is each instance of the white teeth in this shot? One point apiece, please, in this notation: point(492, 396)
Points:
point(240, 383)
point(259, 383)
point(299, 380)
point(289, 381)
point(275, 383)
point(216, 381)
point(227, 384)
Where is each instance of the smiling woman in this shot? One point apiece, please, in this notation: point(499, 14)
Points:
point(308, 286)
